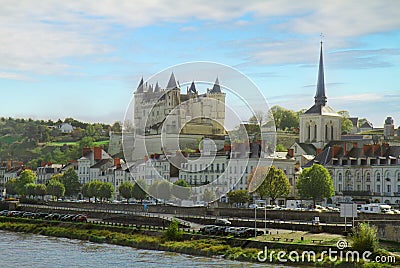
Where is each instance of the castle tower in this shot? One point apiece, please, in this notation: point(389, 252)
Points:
point(320, 123)
point(388, 129)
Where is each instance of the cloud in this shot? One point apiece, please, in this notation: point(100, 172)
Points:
point(14, 76)
point(43, 37)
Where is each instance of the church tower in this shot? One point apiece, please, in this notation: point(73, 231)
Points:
point(320, 123)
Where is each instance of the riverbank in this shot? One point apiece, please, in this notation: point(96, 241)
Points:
point(153, 240)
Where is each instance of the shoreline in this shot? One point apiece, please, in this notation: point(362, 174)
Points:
point(146, 239)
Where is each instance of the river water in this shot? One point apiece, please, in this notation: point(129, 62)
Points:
point(30, 250)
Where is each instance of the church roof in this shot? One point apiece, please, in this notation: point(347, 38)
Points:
point(321, 110)
point(172, 82)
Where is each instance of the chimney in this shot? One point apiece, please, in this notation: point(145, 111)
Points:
point(375, 148)
point(366, 147)
point(117, 162)
point(97, 151)
point(9, 165)
point(291, 153)
point(43, 164)
point(319, 150)
point(335, 150)
point(355, 145)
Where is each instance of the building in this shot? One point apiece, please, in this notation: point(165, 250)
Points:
point(65, 128)
point(320, 123)
point(46, 171)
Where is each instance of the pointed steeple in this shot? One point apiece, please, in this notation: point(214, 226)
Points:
point(216, 88)
point(192, 88)
point(172, 82)
point(140, 86)
point(157, 88)
point(320, 97)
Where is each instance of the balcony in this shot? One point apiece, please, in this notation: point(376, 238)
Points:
point(357, 193)
point(387, 194)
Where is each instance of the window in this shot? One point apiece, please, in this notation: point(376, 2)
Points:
point(368, 177)
point(340, 176)
point(368, 187)
point(378, 188)
point(378, 177)
point(389, 188)
point(398, 176)
point(340, 187)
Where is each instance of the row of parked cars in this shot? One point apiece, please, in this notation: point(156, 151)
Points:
point(46, 216)
point(228, 230)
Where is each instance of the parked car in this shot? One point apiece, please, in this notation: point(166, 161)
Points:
point(4, 213)
point(222, 222)
point(205, 229)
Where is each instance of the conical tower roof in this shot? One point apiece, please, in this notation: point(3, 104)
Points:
point(172, 82)
point(192, 88)
point(216, 88)
point(157, 88)
point(140, 86)
point(320, 96)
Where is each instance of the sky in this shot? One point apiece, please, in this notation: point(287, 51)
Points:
point(84, 59)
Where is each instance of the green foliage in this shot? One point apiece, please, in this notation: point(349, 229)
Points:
point(139, 190)
point(40, 190)
point(11, 186)
point(164, 190)
point(71, 182)
point(275, 184)
point(106, 190)
point(27, 176)
point(347, 125)
point(208, 196)
point(238, 196)
point(55, 188)
point(125, 190)
point(315, 182)
point(364, 238)
point(30, 189)
point(285, 119)
point(180, 189)
point(280, 148)
point(173, 233)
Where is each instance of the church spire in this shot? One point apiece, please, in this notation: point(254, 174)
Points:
point(140, 86)
point(320, 97)
point(172, 82)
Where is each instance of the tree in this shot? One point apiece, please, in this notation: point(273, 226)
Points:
point(116, 127)
point(71, 182)
point(180, 189)
point(347, 125)
point(139, 190)
point(40, 190)
point(208, 196)
point(11, 186)
point(55, 188)
point(238, 196)
point(93, 189)
point(27, 176)
point(30, 189)
point(106, 190)
point(164, 190)
point(280, 148)
point(125, 190)
point(285, 119)
point(315, 182)
point(275, 184)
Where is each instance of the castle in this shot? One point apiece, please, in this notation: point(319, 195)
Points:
point(158, 110)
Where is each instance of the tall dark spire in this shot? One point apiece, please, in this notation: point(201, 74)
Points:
point(140, 87)
point(192, 88)
point(216, 88)
point(172, 82)
point(320, 97)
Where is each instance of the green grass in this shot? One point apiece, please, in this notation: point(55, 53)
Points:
point(71, 143)
point(9, 139)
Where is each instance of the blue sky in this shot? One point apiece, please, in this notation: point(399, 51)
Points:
point(83, 59)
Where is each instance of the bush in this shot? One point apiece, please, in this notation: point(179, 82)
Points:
point(173, 233)
point(364, 238)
